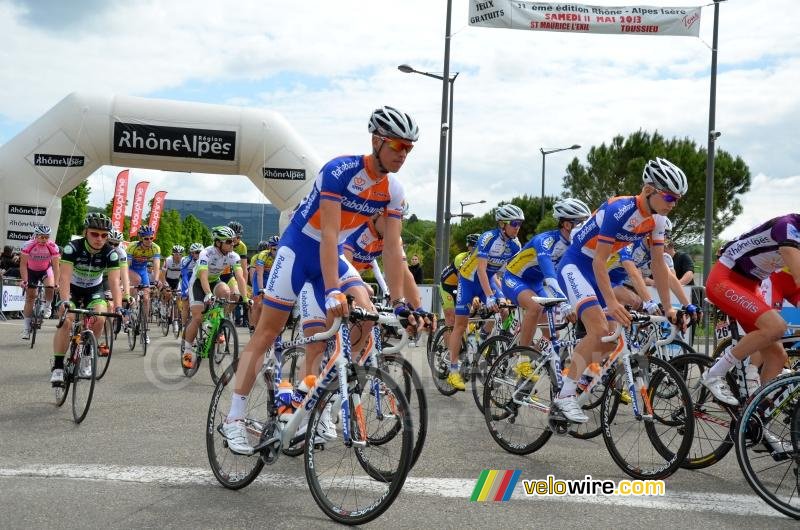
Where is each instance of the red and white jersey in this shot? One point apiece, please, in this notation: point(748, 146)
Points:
point(349, 181)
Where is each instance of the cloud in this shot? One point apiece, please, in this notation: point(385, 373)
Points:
point(326, 65)
point(768, 198)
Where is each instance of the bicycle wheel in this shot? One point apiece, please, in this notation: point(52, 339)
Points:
point(232, 470)
point(83, 376)
point(61, 392)
point(489, 350)
point(36, 320)
point(403, 373)
point(648, 448)
point(143, 327)
point(133, 329)
point(517, 400)
point(177, 321)
point(103, 360)
point(333, 470)
point(166, 321)
point(224, 351)
point(673, 350)
point(712, 419)
point(439, 362)
point(293, 365)
point(767, 444)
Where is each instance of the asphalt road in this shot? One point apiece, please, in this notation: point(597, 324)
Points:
point(139, 461)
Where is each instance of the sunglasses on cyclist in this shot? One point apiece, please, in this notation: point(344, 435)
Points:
point(228, 241)
point(101, 235)
point(147, 239)
point(515, 224)
point(398, 145)
point(669, 197)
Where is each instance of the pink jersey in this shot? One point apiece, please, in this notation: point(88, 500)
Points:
point(39, 255)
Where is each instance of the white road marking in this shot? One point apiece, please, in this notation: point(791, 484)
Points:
point(727, 503)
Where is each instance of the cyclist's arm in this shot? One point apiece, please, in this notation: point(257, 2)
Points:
point(393, 258)
point(156, 264)
point(238, 273)
point(23, 267)
point(661, 276)
point(637, 280)
point(126, 280)
point(376, 270)
point(677, 288)
point(483, 277)
point(64, 280)
point(202, 275)
point(113, 284)
point(600, 269)
point(410, 289)
point(791, 256)
point(54, 261)
point(258, 277)
point(330, 213)
point(162, 273)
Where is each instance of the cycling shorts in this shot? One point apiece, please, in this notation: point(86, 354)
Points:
point(468, 290)
point(783, 288)
point(514, 286)
point(233, 284)
point(173, 282)
point(448, 298)
point(35, 277)
point(226, 277)
point(577, 281)
point(196, 293)
point(142, 272)
point(87, 297)
point(297, 262)
point(311, 303)
point(736, 295)
point(617, 276)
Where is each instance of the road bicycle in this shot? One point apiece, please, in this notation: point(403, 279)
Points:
point(217, 341)
point(138, 322)
point(645, 411)
point(354, 477)
point(37, 315)
point(80, 364)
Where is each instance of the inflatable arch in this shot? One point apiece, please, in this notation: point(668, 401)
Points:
point(83, 132)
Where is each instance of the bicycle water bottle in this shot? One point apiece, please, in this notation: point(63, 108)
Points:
point(302, 389)
point(284, 401)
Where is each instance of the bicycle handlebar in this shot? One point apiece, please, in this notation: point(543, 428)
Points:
point(640, 318)
point(87, 312)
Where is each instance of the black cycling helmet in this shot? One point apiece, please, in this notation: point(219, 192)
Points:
point(262, 245)
point(472, 239)
point(237, 228)
point(98, 221)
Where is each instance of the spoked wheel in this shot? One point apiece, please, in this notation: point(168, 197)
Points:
point(143, 330)
point(712, 420)
point(133, 329)
point(403, 373)
point(166, 321)
point(334, 470)
point(439, 361)
point(487, 353)
point(36, 321)
point(768, 444)
point(224, 351)
point(61, 392)
point(232, 470)
point(177, 322)
point(83, 375)
point(104, 358)
point(517, 400)
point(648, 446)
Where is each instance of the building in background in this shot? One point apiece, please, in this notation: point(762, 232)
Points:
point(260, 221)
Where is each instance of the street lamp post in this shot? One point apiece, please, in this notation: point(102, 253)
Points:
point(547, 152)
point(445, 171)
point(469, 204)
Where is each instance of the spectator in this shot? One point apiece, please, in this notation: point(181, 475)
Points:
point(9, 262)
point(684, 268)
point(416, 269)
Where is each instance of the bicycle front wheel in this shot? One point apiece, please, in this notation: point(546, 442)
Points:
point(224, 351)
point(133, 329)
point(143, 327)
point(83, 376)
point(517, 400)
point(341, 491)
point(654, 444)
point(104, 359)
point(768, 444)
point(403, 373)
point(439, 361)
point(489, 350)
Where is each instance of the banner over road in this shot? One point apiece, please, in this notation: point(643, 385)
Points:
point(581, 18)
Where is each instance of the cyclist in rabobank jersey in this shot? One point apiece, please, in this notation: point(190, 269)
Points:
point(583, 273)
point(532, 271)
point(733, 286)
point(492, 252)
point(347, 191)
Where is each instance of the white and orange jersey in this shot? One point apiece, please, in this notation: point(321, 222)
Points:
point(366, 245)
point(620, 221)
point(349, 181)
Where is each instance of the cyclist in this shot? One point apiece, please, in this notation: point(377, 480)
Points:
point(260, 265)
point(171, 276)
point(448, 281)
point(38, 262)
point(532, 271)
point(733, 286)
point(141, 254)
point(206, 283)
point(347, 191)
point(81, 283)
point(493, 250)
point(583, 270)
point(241, 249)
point(187, 266)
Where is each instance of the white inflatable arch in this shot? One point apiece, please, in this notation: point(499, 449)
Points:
point(84, 132)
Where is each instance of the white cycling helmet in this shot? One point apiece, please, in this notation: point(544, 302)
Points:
point(41, 230)
point(393, 123)
point(665, 176)
point(509, 212)
point(571, 209)
point(115, 236)
point(196, 247)
point(177, 249)
point(221, 233)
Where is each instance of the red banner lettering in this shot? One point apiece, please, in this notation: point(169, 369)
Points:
point(138, 206)
point(120, 198)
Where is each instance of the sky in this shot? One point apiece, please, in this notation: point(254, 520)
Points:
point(326, 65)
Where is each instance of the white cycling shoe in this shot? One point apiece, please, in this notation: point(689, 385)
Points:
point(718, 387)
point(570, 408)
point(235, 433)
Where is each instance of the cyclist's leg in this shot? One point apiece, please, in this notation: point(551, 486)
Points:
point(312, 319)
point(448, 306)
point(97, 302)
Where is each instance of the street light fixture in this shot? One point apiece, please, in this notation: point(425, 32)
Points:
point(463, 214)
point(470, 204)
point(441, 256)
point(547, 152)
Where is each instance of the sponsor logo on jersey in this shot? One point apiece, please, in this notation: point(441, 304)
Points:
point(549, 242)
point(344, 166)
point(361, 207)
point(619, 214)
point(743, 246)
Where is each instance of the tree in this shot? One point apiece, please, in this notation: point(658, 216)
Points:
point(73, 212)
point(126, 224)
point(616, 169)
